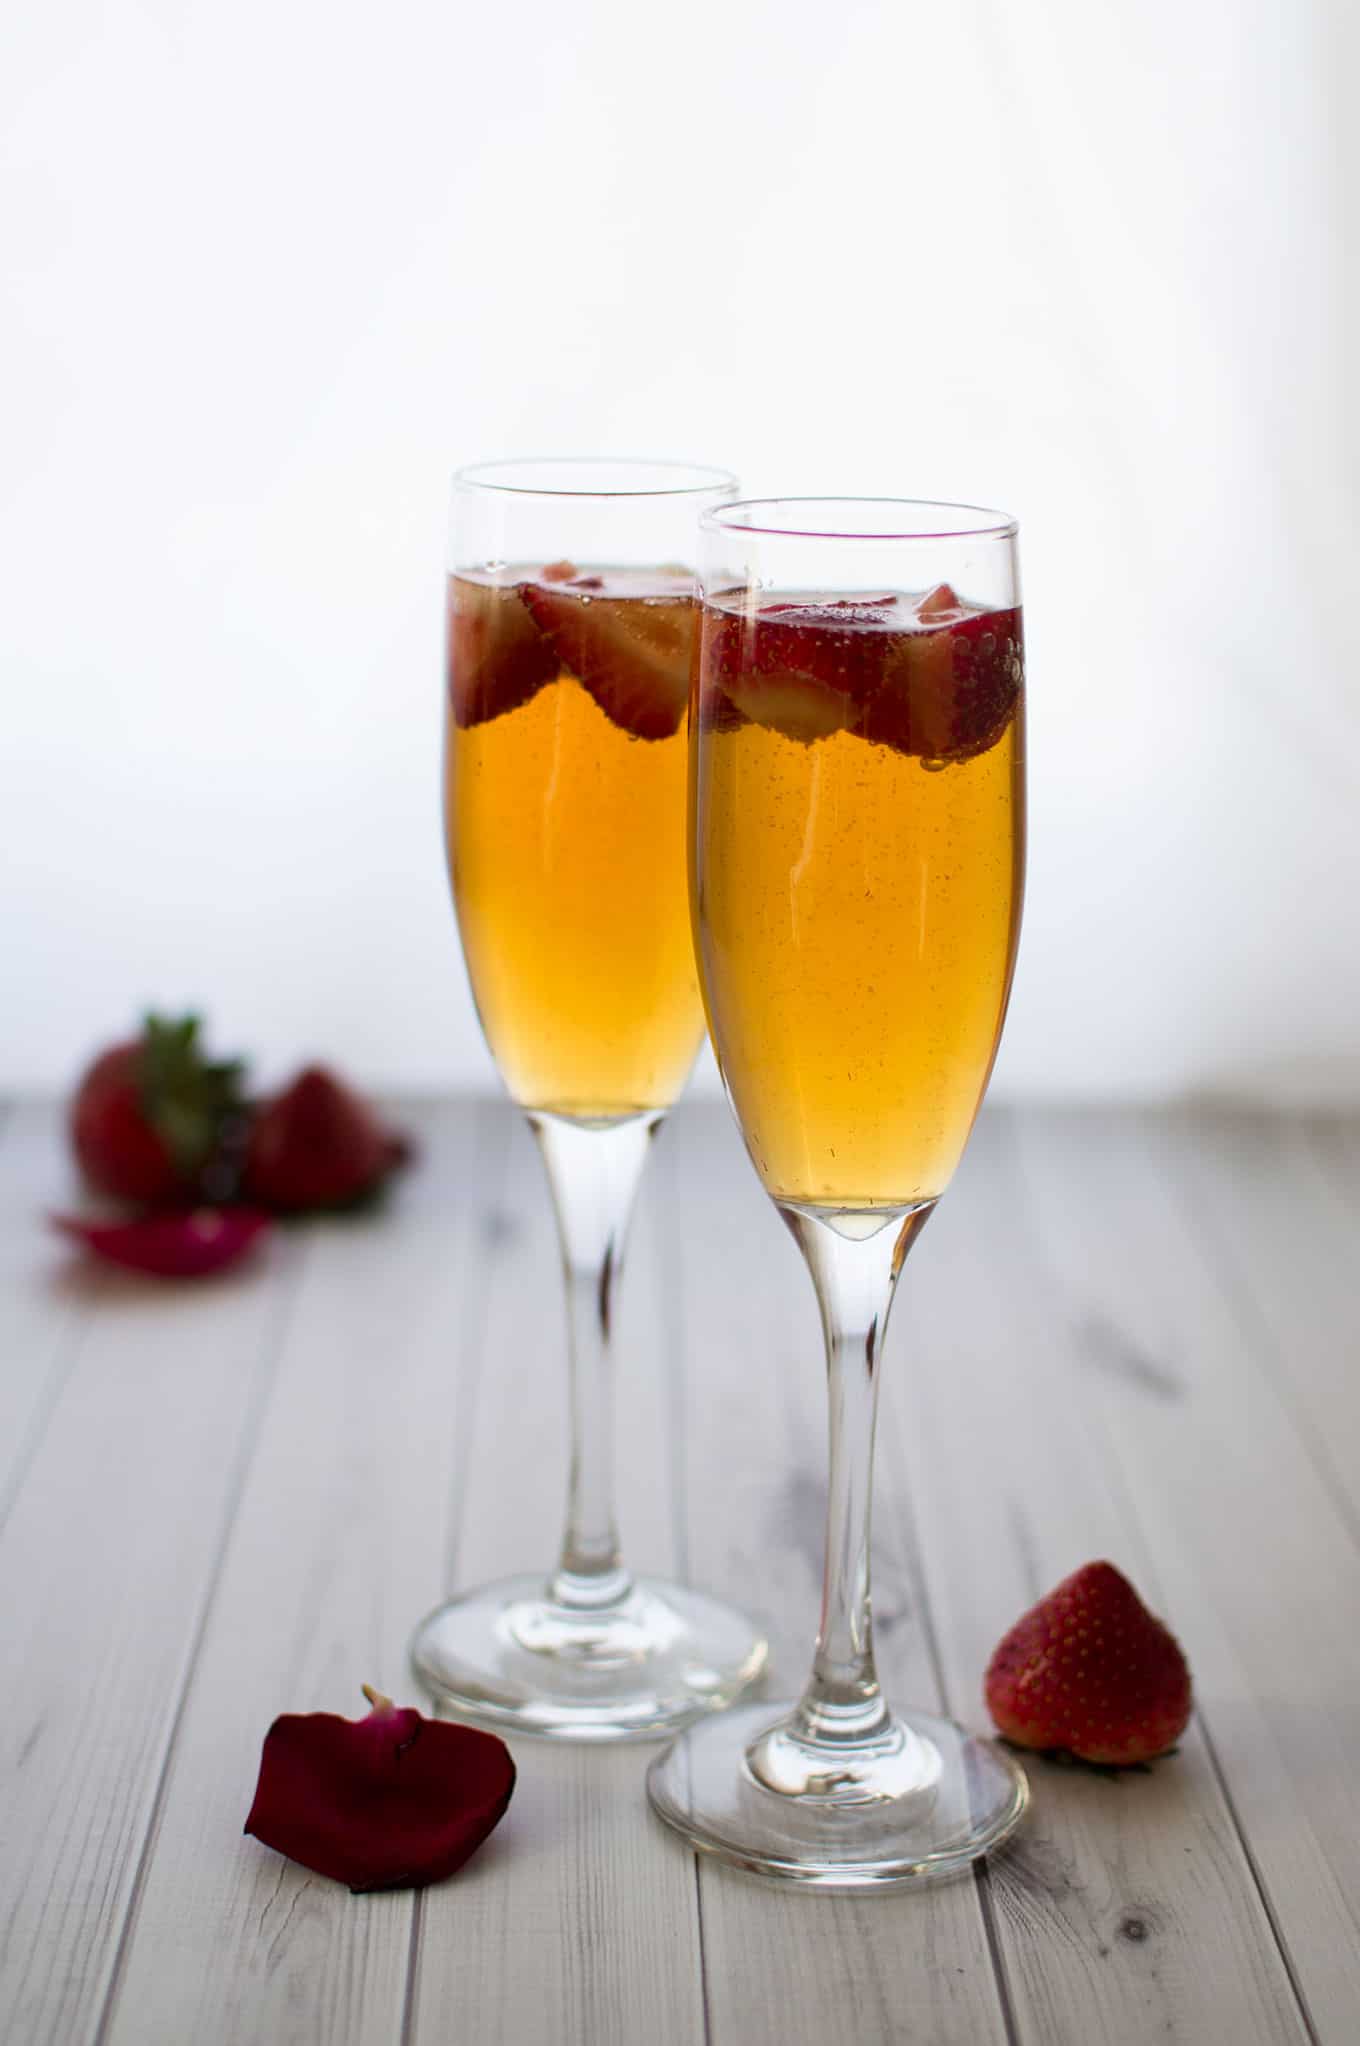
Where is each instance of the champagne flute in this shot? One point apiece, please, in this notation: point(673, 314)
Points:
point(571, 618)
point(856, 871)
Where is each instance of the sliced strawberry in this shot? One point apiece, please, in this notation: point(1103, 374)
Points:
point(318, 1145)
point(927, 676)
point(947, 695)
point(627, 637)
point(497, 660)
point(940, 606)
point(789, 701)
point(803, 666)
point(718, 713)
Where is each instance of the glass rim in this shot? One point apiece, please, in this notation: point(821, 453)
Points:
point(947, 521)
point(700, 478)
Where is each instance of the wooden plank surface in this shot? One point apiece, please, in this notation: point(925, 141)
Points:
point(784, 1966)
point(585, 1926)
point(1256, 1565)
point(1123, 1334)
point(1276, 1224)
point(1139, 1881)
point(333, 1553)
point(106, 1570)
point(43, 1299)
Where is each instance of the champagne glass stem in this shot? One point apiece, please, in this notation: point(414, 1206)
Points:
point(593, 1171)
point(854, 1259)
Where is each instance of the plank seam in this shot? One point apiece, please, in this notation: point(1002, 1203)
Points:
point(677, 1407)
point(1345, 1196)
point(905, 1515)
point(413, 1952)
point(1226, 1273)
point(673, 1307)
point(57, 1378)
point(470, 1336)
point(266, 1377)
point(703, 1951)
point(1258, 1878)
point(982, 1877)
point(489, 1172)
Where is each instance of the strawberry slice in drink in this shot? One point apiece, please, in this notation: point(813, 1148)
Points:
point(804, 666)
point(949, 689)
point(930, 676)
point(627, 636)
point(497, 659)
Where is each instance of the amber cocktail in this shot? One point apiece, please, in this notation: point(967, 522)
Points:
point(856, 856)
point(859, 860)
point(564, 810)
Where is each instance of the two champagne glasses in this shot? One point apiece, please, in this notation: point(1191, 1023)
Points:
point(849, 882)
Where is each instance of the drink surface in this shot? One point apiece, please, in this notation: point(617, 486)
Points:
point(564, 808)
point(857, 847)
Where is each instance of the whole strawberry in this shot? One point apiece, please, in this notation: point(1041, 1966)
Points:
point(152, 1119)
point(317, 1145)
point(1089, 1669)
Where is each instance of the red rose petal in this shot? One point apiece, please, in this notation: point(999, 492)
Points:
point(178, 1246)
point(389, 1802)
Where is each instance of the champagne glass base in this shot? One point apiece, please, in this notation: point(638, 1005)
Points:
point(509, 1656)
point(925, 1809)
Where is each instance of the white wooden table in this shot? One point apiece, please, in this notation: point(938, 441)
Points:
point(1123, 1335)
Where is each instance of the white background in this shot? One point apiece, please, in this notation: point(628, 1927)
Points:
point(272, 269)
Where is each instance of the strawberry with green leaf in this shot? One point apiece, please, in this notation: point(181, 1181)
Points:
point(154, 1121)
